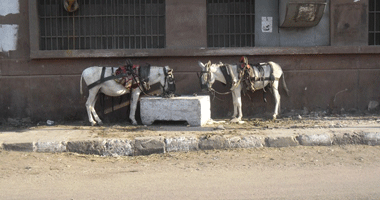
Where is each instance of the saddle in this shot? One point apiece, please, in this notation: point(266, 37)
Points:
point(254, 76)
point(127, 80)
point(132, 76)
point(129, 75)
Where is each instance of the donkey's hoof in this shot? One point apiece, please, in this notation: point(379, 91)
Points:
point(235, 120)
point(100, 123)
point(93, 123)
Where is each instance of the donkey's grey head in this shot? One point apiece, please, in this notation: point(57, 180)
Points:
point(169, 87)
point(206, 77)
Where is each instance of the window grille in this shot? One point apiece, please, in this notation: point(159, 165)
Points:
point(231, 23)
point(102, 24)
point(374, 22)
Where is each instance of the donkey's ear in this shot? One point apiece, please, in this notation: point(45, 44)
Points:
point(201, 64)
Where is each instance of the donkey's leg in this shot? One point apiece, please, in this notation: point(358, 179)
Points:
point(89, 106)
point(236, 98)
point(234, 105)
point(94, 112)
point(134, 99)
point(277, 99)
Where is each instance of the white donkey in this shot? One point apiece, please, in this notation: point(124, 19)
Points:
point(270, 74)
point(111, 88)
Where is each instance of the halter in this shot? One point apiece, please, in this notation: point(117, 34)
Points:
point(170, 83)
point(208, 79)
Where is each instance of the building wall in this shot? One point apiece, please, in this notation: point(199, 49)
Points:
point(287, 37)
point(343, 75)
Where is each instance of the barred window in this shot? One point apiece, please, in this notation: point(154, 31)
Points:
point(102, 24)
point(374, 22)
point(231, 23)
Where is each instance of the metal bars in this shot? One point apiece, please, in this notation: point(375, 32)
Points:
point(374, 22)
point(102, 24)
point(230, 23)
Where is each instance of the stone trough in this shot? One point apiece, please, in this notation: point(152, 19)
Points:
point(195, 110)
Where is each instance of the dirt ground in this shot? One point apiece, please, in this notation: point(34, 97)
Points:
point(290, 123)
point(336, 172)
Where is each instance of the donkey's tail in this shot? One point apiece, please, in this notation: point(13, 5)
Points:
point(284, 85)
point(80, 84)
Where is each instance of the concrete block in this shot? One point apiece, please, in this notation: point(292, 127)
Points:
point(281, 141)
point(246, 142)
point(96, 147)
point(51, 147)
point(193, 109)
point(149, 145)
point(28, 147)
point(372, 139)
point(347, 138)
point(213, 142)
point(315, 140)
point(182, 144)
point(117, 147)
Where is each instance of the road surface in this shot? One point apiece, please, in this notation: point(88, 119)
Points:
point(336, 172)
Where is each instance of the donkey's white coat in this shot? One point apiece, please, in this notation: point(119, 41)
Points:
point(111, 88)
point(217, 75)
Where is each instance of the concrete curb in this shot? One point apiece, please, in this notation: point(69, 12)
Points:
point(157, 145)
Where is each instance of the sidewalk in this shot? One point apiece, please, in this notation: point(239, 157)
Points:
point(145, 140)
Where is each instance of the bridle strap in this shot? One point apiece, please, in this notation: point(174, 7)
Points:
point(210, 89)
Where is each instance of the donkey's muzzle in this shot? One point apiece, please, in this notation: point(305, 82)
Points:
point(204, 87)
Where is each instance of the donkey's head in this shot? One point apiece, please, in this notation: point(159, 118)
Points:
point(169, 87)
point(207, 77)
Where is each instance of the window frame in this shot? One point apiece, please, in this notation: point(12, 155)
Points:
point(35, 53)
point(376, 30)
point(109, 24)
point(236, 19)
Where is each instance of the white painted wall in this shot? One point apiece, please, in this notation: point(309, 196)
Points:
point(8, 32)
point(9, 7)
point(8, 37)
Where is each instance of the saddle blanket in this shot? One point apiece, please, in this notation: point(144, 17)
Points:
point(131, 79)
point(257, 76)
